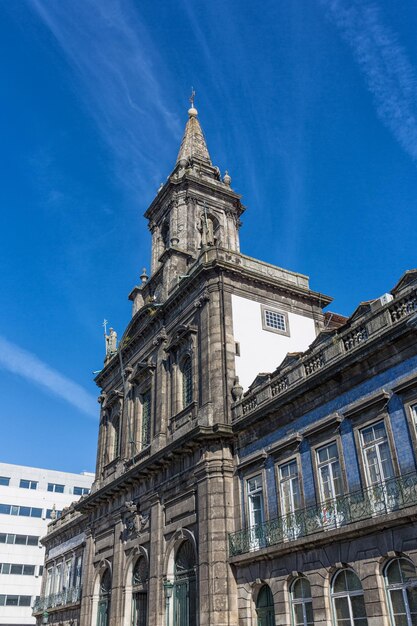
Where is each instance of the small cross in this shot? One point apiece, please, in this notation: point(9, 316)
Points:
point(192, 97)
point(104, 324)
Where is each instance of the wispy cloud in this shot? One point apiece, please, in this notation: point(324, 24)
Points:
point(23, 363)
point(119, 76)
point(389, 74)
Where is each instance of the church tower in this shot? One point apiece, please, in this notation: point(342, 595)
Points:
point(204, 323)
point(195, 210)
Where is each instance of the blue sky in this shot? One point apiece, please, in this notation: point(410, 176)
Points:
point(311, 106)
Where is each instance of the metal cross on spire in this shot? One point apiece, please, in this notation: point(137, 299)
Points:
point(191, 98)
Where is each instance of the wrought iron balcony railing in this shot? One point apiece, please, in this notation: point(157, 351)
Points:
point(67, 596)
point(391, 495)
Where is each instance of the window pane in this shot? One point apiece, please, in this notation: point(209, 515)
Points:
point(14, 510)
point(309, 612)
point(397, 602)
point(78, 491)
point(342, 608)
point(24, 600)
point(12, 600)
point(24, 511)
point(33, 484)
point(358, 606)
point(2, 537)
point(29, 570)
point(20, 540)
point(24, 484)
point(5, 508)
point(36, 512)
point(393, 572)
point(298, 615)
point(4, 481)
point(15, 569)
point(353, 582)
point(59, 488)
point(339, 583)
point(407, 570)
point(32, 540)
point(50, 486)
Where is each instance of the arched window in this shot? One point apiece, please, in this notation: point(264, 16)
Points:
point(347, 599)
point(187, 381)
point(140, 593)
point(301, 603)
point(265, 607)
point(401, 584)
point(184, 591)
point(103, 611)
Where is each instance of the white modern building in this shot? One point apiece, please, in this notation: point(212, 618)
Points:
point(29, 498)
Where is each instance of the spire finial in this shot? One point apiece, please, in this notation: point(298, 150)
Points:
point(192, 111)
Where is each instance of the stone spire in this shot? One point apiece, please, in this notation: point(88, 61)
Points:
point(193, 145)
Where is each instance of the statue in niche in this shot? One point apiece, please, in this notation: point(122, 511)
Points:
point(207, 231)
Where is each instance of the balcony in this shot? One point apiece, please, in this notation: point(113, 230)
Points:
point(381, 499)
point(57, 600)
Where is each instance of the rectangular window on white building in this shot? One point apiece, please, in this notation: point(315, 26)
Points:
point(4, 481)
point(81, 491)
point(28, 484)
point(56, 488)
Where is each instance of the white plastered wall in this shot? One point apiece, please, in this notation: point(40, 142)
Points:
point(263, 350)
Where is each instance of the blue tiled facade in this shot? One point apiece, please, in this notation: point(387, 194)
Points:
point(399, 425)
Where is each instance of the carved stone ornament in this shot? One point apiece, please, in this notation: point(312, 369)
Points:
point(205, 297)
point(134, 521)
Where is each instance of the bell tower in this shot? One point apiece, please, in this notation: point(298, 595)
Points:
point(194, 210)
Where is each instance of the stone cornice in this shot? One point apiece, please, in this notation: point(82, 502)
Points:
point(192, 439)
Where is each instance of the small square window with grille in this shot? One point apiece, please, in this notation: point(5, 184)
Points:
point(275, 320)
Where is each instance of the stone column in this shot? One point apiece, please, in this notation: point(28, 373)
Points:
point(88, 575)
point(156, 615)
point(118, 582)
point(217, 586)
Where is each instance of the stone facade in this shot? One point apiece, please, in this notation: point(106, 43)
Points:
point(168, 538)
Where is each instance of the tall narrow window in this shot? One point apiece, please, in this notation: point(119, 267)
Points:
point(256, 512)
point(140, 593)
point(301, 603)
point(377, 454)
point(187, 381)
point(401, 584)
point(103, 609)
point(378, 468)
point(265, 607)
point(347, 600)
point(330, 483)
point(289, 488)
point(116, 436)
point(185, 592)
point(146, 419)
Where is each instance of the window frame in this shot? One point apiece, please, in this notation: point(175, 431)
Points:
point(302, 601)
point(3, 480)
point(398, 587)
point(186, 384)
point(272, 309)
point(345, 594)
point(316, 466)
point(31, 484)
point(54, 488)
